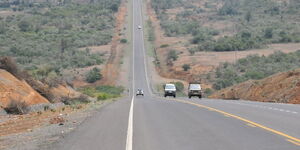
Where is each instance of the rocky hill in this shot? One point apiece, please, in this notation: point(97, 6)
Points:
point(281, 88)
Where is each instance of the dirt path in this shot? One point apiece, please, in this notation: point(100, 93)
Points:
point(112, 67)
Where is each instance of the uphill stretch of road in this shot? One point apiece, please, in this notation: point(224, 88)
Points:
point(156, 123)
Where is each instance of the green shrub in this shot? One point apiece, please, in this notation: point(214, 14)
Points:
point(268, 33)
point(208, 91)
point(186, 67)
point(248, 16)
point(172, 55)
point(103, 92)
point(110, 89)
point(192, 51)
point(179, 86)
point(82, 99)
point(93, 75)
point(164, 45)
point(24, 26)
point(102, 96)
point(123, 40)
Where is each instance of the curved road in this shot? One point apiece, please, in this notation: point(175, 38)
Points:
point(156, 123)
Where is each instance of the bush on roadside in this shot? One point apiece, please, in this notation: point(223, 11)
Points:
point(103, 92)
point(208, 91)
point(82, 99)
point(123, 40)
point(186, 67)
point(17, 107)
point(179, 86)
point(93, 75)
point(164, 45)
point(172, 55)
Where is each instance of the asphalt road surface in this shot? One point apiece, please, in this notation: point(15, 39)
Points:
point(156, 123)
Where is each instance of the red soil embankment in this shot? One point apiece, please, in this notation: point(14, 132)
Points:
point(12, 88)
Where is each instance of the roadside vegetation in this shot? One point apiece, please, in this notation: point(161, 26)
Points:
point(46, 38)
point(103, 92)
point(93, 75)
point(179, 88)
point(254, 67)
point(250, 24)
point(17, 107)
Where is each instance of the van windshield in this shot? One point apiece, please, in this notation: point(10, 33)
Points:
point(195, 87)
point(170, 86)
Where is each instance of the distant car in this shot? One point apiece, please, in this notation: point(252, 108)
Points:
point(170, 90)
point(139, 92)
point(139, 27)
point(195, 90)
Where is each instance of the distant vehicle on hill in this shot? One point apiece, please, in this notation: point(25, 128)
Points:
point(139, 92)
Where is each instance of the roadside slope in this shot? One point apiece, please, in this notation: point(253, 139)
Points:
point(12, 88)
point(281, 87)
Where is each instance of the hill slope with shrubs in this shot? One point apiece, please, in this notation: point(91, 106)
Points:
point(281, 87)
point(229, 25)
point(254, 67)
point(46, 38)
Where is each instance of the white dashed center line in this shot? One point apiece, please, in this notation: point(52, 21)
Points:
point(264, 107)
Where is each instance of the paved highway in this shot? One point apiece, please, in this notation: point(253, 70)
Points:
point(156, 123)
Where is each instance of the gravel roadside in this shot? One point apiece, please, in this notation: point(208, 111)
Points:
point(52, 130)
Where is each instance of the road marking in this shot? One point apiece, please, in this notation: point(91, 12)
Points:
point(296, 143)
point(130, 116)
point(251, 125)
point(294, 139)
point(226, 115)
point(130, 127)
point(264, 107)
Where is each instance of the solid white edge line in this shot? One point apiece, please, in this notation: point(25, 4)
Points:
point(130, 117)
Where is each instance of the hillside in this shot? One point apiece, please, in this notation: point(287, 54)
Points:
point(192, 39)
point(12, 88)
point(281, 87)
point(57, 40)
